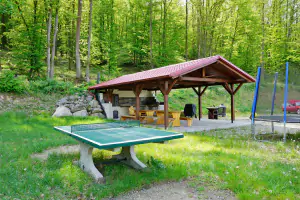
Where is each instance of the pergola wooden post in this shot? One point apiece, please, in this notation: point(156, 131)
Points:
point(137, 91)
point(166, 104)
point(232, 103)
point(166, 88)
point(199, 103)
point(232, 92)
point(110, 95)
point(199, 94)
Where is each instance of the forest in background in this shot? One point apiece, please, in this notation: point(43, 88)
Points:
point(40, 37)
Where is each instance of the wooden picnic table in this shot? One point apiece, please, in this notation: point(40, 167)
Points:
point(147, 112)
point(149, 115)
point(212, 112)
point(175, 114)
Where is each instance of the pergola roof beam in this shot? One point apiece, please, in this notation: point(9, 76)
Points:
point(196, 79)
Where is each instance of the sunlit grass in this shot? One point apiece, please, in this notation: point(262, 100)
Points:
point(222, 158)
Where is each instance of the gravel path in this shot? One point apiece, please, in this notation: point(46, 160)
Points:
point(58, 150)
point(176, 191)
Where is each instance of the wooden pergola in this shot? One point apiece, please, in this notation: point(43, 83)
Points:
point(196, 74)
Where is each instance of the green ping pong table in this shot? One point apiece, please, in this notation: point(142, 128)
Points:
point(111, 135)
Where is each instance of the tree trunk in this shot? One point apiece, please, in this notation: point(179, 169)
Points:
point(205, 27)
point(68, 22)
point(135, 38)
point(4, 20)
point(150, 34)
point(286, 27)
point(234, 34)
point(164, 29)
point(186, 30)
point(292, 20)
point(34, 59)
point(198, 34)
point(263, 34)
point(71, 39)
point(87, 73)
point(54, 44)
point(160, 30)
point(77, 50)
point(111, 53)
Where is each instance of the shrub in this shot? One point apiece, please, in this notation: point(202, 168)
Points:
point(10, 83)
point(54, 86)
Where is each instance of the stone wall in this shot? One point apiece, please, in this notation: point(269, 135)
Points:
point(76, 105)
point(27, 103)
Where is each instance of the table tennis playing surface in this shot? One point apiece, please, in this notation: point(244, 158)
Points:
point(125, 134)
point(113, 137)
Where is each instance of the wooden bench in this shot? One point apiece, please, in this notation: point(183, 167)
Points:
point(126, 117)
point(144, 119)
point(188, 119)
point(130, 117)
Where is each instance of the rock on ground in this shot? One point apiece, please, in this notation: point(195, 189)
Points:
point(94, 104)
point(96, 110)
point(77, 104)
point(77, 107)
point(62, 111)
point(81, 113)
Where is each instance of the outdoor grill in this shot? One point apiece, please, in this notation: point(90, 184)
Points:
point(190, 110)
point(222, 110)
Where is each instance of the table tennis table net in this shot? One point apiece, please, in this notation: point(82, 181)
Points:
point(109, 125)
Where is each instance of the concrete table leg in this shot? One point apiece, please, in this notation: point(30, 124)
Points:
point(130, 158)
point(86, 162)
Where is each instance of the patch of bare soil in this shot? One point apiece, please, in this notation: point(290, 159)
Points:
point(176, 191)
point(58, 150)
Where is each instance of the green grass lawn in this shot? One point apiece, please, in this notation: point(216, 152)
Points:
point(252, 170)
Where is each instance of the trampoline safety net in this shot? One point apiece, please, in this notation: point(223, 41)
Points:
point(272, 90)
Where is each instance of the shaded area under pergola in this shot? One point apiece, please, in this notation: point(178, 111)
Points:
point(196, 74)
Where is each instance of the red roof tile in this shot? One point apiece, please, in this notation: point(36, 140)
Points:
point(171, 71)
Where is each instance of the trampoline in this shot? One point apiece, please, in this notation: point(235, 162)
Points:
point(276, 98)
point(279, 119)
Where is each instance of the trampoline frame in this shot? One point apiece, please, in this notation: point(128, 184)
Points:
point(278, 119)
point(272, 118)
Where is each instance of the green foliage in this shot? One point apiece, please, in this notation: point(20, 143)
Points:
point(10, 83)
point(27, 39)
point(54, 86)
point(246, 32)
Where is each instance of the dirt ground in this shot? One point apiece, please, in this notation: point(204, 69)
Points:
point(58, 150)
point(164, 191)
point(176, 191)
